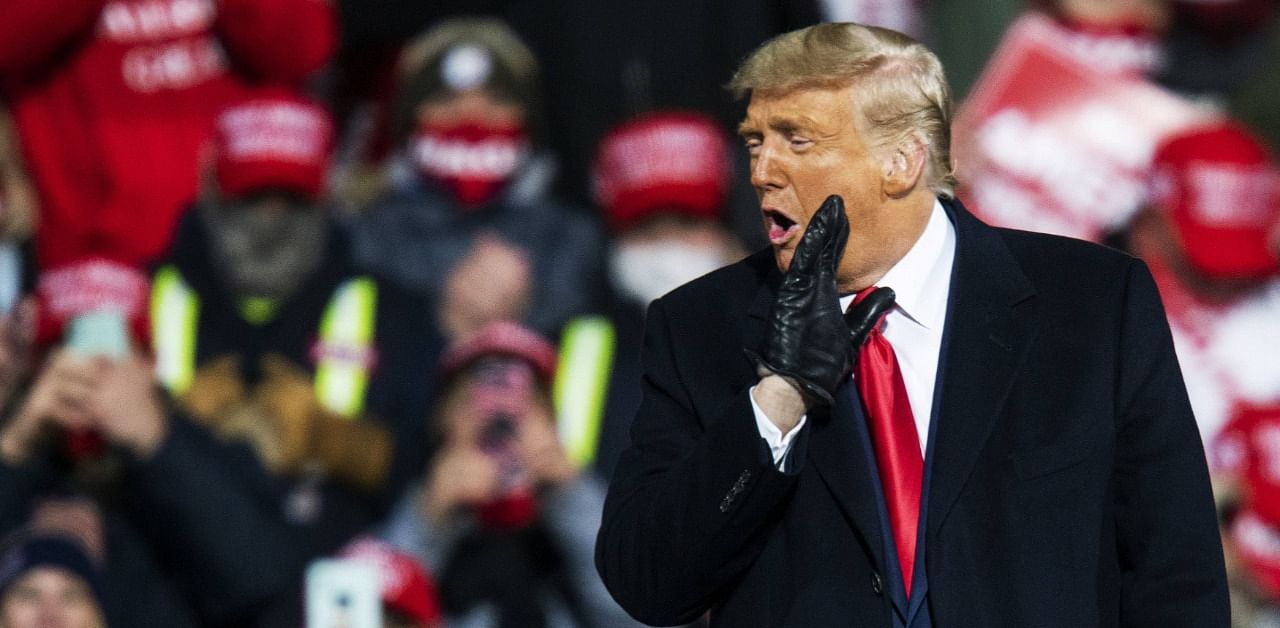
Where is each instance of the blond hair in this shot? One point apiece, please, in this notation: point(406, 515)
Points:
point(900, 88)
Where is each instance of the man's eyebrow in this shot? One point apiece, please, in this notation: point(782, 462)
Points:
point(785, 126)
point(800, 123)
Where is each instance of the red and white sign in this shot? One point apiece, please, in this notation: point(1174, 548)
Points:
point(1048, 143)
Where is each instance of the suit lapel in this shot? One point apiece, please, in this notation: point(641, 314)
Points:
point(834, 447)
point(841, 457)
point(990, 325)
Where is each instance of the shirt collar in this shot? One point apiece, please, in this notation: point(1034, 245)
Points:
point(921, 280)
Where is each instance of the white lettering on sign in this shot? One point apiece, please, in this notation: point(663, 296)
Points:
point(1092, 184)
point(1115, 52)
point(155, 20)
point(178, 65)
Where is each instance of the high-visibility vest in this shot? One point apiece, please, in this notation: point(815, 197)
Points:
point(582, 384)
point(346, 339)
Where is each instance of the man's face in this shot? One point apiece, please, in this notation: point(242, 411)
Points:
point(268, 244)
point(476, 106)
point(48, 597)
point(805, 145)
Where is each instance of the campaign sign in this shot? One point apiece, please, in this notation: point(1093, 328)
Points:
point(1048, 143)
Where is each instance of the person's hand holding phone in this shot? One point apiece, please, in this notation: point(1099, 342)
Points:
point(540, 451)
point(59, 397)
point(460, 476)
point(125, 404)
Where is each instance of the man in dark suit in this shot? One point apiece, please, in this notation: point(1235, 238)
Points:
point(1010, 446)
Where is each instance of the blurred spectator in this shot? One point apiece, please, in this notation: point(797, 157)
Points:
point(48, 581)
point(603, 62)
point(28, 414)
point(1246, 456)
point(34, 475)
point(18, 212)
point(17, 220)
point(294, 413)
point(112, 100)
point(17, 331)
point(409, 596)
point(662, 180)
point(1209, 239)
point(502, 518)
point(467, 221)
point(606, 62)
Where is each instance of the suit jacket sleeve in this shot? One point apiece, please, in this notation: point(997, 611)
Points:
point(1170, 552)
point(693, 497)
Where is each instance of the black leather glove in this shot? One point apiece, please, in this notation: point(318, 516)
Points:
point(808, 340)
point(866, 314)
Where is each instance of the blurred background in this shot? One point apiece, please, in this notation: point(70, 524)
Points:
point(329, 313)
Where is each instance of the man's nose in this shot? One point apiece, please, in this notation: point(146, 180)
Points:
point(764, 169)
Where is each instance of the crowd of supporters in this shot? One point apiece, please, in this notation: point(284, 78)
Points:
point(307, 306)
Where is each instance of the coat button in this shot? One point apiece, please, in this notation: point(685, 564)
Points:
point(877, 584)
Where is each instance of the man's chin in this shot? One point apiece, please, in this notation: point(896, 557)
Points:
point(783, 258)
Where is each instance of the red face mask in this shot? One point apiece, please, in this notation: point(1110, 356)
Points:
point(472, 161)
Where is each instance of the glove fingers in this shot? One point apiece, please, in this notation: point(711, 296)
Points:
point(817, 237)
point(862, 317)
point(834, 249)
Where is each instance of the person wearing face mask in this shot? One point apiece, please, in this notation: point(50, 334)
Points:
point(662, 181)
point(467, 221)
point(501, 517)
point(284, 422)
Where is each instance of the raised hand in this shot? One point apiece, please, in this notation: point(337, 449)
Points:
point(807, 340)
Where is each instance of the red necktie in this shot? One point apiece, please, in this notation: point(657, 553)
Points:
point(893, 433)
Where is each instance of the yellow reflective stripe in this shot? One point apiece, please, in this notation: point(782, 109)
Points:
point(582, 379)
point(346, 342)
point(175, 309)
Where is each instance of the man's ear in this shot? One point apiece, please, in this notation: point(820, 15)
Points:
point(903, 167)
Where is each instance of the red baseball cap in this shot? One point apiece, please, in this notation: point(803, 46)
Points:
point(1219, 187)
point(406, 587)
point(661, 162)
point(276, 139)
point(502, 338)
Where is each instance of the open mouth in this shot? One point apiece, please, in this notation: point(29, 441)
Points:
point(781, 228)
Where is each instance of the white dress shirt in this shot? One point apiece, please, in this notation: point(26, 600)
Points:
point(921, 281)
